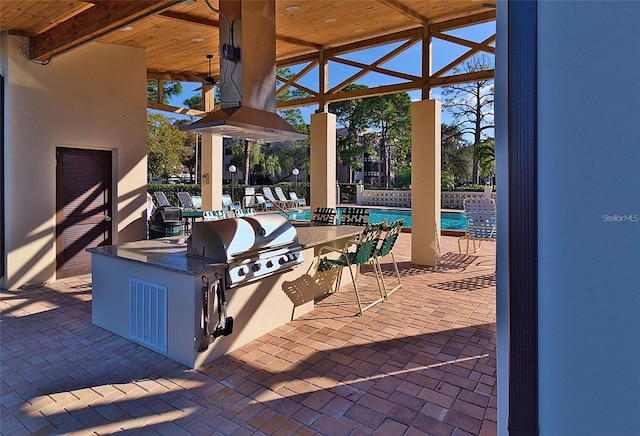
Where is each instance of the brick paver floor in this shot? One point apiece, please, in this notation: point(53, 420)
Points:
point(422, 362)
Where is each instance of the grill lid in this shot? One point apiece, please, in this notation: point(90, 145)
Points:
point(224, 240)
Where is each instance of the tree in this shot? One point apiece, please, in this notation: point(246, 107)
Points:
point(455, 153)
point(354, 117)
point(471, 104)
point(165, 146)
point(169, 89)
point(391, 117)
point(485, 154)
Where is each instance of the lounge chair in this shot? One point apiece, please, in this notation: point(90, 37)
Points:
point(364, 253)
point(161, 198)
point(186, 202)
point(229, 204)
point(481, 217)
point(354, 216)
point(263, 203)
point(324, 216)
point(299, 202)
point(283, 198)
point(268, 194)
point(386, 248)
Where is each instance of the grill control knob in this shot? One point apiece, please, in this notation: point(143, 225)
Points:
point(241, 271)
point(269, 264)
point(282, 260)
point(256, 267)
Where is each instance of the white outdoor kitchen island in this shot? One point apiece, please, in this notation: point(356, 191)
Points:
point(151, 292)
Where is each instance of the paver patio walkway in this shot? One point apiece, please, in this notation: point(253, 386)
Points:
point(422, 362)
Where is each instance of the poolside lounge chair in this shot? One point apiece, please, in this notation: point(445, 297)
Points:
point(268, 194)
point(263, 203)
point(354, 216)
point(364, 253)
point(324, 216)
point(481, 217)
point(283, 198)
point(161, 198)
point(186, 202)
point(229, 204)
point(298, 202)
point(385, 248)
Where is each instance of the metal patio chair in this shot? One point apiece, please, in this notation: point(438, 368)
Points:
point(186, 202)
point(364, 252)
point(354, 216)
point(385, 248)
point(481, 214)
point(324, 216)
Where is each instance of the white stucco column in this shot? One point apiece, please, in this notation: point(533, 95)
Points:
point(425, 182)
point(323, 160)
point(211, 171)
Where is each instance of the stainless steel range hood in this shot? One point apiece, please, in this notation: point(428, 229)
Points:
point(244, 122)
point(248, 81)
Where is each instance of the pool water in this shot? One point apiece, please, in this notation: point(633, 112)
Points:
point(449, 220)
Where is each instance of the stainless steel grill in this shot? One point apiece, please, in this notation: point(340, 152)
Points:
point(251, 247)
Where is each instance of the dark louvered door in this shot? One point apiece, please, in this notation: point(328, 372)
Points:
point(83, 200)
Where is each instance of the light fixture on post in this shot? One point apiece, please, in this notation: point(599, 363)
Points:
point(232, 170)
point(295, 172)
point(209, 79)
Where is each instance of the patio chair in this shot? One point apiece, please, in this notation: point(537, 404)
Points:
point(186, 202)
point(249, 199)
point(268, 194)
point(161, 198)
point(263, 203)
point(481, 217)
point(386, 248)
point(324, 216)
point(364, 253)
point(354, 216)
point(299, 202)
point(214, 215)
point(229, 204)
point(283, 198)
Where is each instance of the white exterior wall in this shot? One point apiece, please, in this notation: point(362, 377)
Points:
point(91, 97)
point(589, 268)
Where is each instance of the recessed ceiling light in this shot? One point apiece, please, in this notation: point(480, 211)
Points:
point(197, 39)
point(292, 8)
point(359, 30)
point(126, 29)
point(330, 20)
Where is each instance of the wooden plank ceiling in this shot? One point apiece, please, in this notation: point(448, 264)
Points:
point(177, 35)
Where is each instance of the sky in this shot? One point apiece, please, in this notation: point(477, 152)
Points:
point(407, 62)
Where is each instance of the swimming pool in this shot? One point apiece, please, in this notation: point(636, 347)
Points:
point(448, 220)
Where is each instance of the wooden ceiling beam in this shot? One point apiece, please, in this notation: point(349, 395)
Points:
point(375, 69)
point(462, 78)
point(399, 7)
point(191, 19)
point(175, 109)
point(104, 17)
point(464, 21)
point(460, 59)
point(175, 77)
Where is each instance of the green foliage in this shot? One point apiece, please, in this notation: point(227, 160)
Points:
point(403, 177)
point(446, 181)
point(169, 89)
point(455, 152)
point(165, 146)
point(353, 116)
point(485, 154)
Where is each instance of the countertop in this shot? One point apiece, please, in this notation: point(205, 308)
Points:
point(170, 253)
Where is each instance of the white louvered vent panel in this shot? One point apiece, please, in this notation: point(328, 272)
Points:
point(148, 313)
